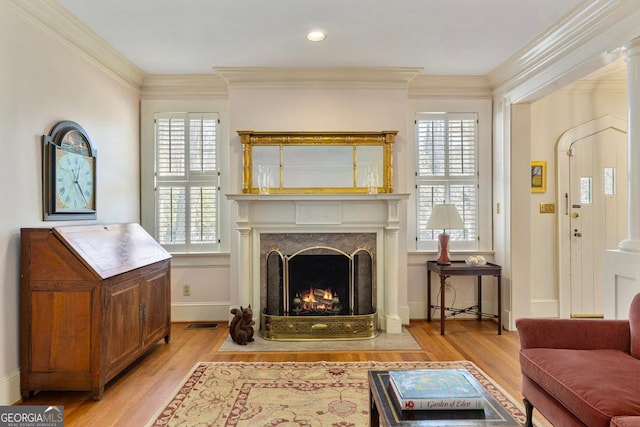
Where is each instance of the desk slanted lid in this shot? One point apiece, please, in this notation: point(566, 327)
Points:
point(112, 249)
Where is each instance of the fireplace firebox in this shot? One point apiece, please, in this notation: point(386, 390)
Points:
point(318, 285)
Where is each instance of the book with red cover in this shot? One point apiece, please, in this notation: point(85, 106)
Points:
point(436, 389)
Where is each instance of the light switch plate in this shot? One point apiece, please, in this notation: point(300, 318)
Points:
point(547, 207)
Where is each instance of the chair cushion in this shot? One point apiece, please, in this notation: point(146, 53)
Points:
point(596, 385)
point(625, 422)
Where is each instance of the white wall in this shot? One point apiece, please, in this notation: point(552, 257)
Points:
point(42, 81)
point(519, 211)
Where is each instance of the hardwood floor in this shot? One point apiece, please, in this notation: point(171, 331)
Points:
point(132, 398)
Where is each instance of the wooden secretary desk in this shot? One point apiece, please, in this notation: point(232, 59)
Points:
point(93, 299)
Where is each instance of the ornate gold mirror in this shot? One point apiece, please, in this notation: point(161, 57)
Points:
point(317, 162)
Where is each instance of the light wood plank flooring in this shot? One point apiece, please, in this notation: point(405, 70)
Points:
point(132, 398)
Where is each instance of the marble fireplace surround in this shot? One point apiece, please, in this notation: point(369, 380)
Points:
point(317, 214)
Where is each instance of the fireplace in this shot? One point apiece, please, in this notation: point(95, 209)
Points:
point(317, 291)
point(355, 235)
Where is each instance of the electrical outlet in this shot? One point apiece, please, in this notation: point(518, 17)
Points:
point(186, 290)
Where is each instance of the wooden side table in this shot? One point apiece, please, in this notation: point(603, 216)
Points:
point(460, 268)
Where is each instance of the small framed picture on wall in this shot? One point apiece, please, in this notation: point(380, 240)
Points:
point(538, 176)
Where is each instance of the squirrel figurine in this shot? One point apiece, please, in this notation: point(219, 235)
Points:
point(241, 327)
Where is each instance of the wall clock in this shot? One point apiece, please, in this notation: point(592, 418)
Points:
point(69, 173)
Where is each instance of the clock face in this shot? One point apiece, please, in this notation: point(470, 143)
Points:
point(74, 182)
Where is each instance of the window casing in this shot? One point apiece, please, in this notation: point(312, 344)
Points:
point(447, 171)
point(187, 189)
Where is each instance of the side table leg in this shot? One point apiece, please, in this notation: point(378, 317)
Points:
point(374, 416)
point(429, 296)
point(479, 297)
point(443, 288)
point(500, 304)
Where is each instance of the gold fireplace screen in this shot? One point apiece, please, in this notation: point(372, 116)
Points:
point(317, 162)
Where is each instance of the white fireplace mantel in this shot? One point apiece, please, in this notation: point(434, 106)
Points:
point(330, 213)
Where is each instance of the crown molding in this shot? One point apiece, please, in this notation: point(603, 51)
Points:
point(450, 87)
point(586, 38)
point(183, 86)
point(329, 77)
point(53, 17)
point(611, 78)
point(600, 86)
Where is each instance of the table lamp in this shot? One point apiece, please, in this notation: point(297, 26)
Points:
point(444, 216)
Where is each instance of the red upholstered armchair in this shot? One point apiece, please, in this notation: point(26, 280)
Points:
point(582, 372)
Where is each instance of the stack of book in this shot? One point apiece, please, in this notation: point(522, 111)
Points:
point(436, 389)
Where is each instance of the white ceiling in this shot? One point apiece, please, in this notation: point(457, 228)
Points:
point(443, 37)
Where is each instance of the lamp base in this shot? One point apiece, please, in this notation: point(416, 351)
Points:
point(443, 248)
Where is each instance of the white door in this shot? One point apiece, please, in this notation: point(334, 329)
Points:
point(598, 214)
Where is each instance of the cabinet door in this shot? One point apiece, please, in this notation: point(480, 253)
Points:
point(156, 306)
point(122, 324)
point(60, 331)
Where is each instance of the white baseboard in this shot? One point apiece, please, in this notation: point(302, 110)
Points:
point(10, 388)
point(405, 314)
point(508, 322)
point(200, 312)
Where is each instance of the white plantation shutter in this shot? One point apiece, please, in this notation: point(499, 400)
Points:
point(187, 181)
point(447, 170)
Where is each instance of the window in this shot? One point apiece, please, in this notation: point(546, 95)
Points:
point(447, 171)
point(187, 189)
point(586, 190)
point(609, 181)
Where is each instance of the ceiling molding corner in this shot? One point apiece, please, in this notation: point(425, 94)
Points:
point(183, 86)
point(424, 86)
point(55, 18)
point(593, 86)
point(566, 45)
point(329, 77)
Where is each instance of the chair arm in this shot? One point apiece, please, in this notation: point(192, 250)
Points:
point(577, 334)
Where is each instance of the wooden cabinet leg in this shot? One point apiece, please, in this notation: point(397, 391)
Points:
point(26, 394)
point(96, 393)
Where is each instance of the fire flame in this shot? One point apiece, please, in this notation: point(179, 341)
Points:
point(310, 302)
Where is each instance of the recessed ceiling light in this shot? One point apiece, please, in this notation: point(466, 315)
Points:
point(316, 36)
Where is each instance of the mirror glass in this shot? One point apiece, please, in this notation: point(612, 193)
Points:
point(308, 166)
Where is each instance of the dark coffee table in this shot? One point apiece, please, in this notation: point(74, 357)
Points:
point(385, 412)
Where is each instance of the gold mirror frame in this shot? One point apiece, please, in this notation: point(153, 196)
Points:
point(353, 140)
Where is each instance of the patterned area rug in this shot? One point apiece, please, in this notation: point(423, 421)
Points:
point(291, 394)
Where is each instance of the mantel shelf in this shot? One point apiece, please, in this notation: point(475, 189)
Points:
point(316, 197)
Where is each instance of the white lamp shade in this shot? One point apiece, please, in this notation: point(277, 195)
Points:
point(445, 216)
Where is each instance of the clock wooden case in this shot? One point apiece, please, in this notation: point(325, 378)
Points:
point(69, 173)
